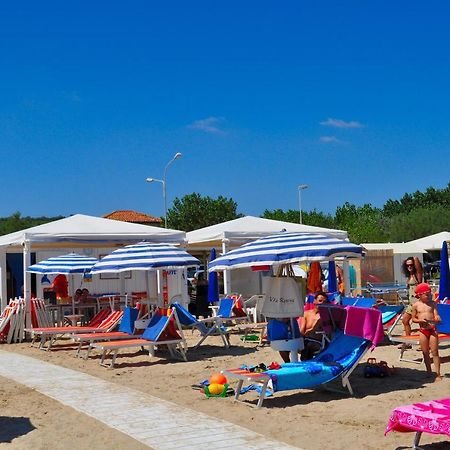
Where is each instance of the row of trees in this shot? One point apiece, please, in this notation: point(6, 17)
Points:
point(413, 216)
point(16, 222)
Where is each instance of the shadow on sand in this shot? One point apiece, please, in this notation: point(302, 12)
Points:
point(164, 358)
point(14, 427)
point(435, 446)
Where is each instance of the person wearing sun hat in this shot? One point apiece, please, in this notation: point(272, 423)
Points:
point(424, 312)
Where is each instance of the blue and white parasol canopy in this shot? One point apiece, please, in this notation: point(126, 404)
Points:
point(444, 280)
point(144, 256)
point(286, 248)
point(71, 263)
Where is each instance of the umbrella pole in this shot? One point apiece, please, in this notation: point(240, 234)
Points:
point(72, 292)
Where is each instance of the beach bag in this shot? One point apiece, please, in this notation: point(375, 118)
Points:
point(283, 298)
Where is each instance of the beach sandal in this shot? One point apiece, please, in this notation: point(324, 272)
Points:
point(200, 386)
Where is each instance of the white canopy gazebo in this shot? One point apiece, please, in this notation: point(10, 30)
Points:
point(76, 231)
point(236, 232)
point(433, 242)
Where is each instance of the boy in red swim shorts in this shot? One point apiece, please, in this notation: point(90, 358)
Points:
point(424, 313)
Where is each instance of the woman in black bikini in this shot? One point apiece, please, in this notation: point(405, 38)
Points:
point(413, 271)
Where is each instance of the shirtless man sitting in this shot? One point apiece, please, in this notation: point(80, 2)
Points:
point(311, 326)
point(424, 313)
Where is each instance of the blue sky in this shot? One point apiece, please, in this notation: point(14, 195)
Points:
point(348, 97)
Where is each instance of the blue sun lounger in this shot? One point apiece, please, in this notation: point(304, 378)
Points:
point(362, 302)
point(338, 360)
point(390, 313)
point(164, 329)
point(189, 320)
point(126, 331)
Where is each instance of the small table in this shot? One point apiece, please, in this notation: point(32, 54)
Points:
point(74, 318)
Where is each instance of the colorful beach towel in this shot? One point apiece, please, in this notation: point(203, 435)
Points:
point(428, 417)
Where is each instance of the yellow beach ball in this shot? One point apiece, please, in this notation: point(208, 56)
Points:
point(215, 388)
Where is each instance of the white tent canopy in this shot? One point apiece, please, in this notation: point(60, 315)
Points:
point(247, 229)
point(396, 247)
point(433, 242)
point(82, 228)
point(78, 230)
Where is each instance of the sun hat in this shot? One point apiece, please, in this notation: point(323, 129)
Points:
point(422, 288)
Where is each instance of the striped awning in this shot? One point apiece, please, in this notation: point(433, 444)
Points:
point(286, 248)
point(71, 263)
point(144, 256)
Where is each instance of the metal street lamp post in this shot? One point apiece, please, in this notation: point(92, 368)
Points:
point(163, 182)
point(301, 187)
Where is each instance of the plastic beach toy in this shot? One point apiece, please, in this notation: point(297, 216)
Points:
point(216, 390)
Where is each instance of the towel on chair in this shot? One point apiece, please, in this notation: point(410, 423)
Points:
point(365, 323)
point(332, 317)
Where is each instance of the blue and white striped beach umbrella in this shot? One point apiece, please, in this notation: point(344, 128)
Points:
point(144, 256)
point(71, 263)
point(286, 248)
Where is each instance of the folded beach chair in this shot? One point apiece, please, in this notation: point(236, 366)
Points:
point(12, 321)
point(338, 360)
point(443, 329)
point(428, 417)
point(189, 320)
point(98, 324)
point(126, 331)
point(163, 329)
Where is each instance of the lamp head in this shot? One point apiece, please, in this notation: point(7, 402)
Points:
point(178, 155)
point(303, 186)
point(149, 180)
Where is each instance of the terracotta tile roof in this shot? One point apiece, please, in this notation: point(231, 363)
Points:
point(127, 215)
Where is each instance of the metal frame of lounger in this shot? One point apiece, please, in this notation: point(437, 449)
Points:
point(91, 338)
point(216, 329)
point(264, 380)
point(443, 333)
point(256, 327)
point(413, 339)
point(54, 333)
point(175, 346)
point(128, 322)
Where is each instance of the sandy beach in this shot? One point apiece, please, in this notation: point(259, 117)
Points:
point(308, 419)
